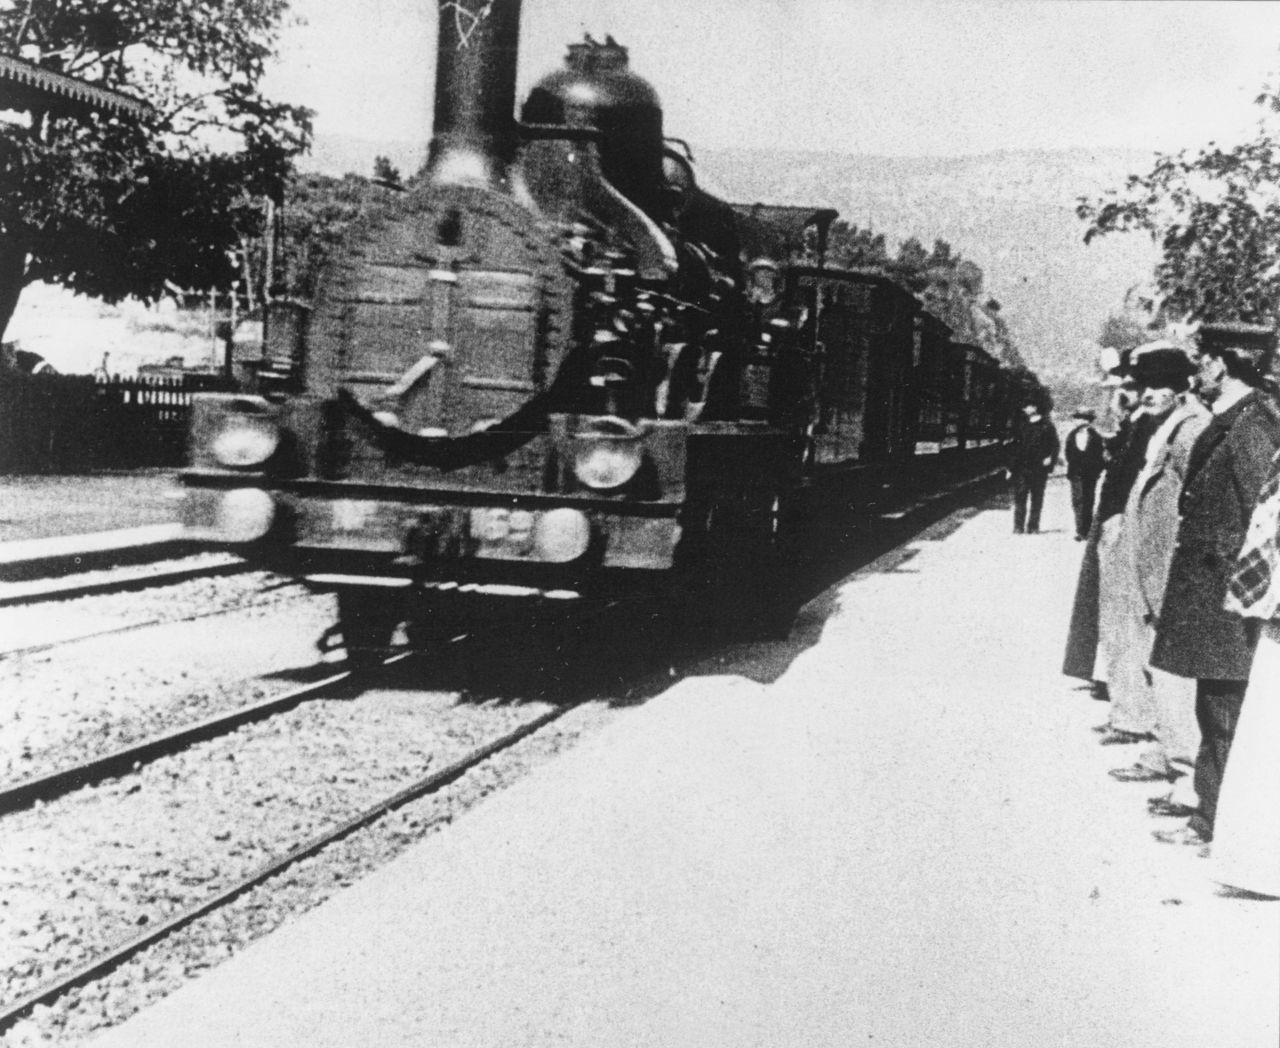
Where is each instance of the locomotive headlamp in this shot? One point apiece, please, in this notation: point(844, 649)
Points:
point(243, 515)
point(608, 454)
point(244, 437)
point(561, 535)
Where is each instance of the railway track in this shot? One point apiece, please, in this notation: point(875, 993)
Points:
point(131, 627)
point(127, 946)
point(51, 785)
point(119, 580)
point(207, 910)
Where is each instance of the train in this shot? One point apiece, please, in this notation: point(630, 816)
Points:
point(555, 367)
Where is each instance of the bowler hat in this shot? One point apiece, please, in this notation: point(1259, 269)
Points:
point(1164, 368)
point(1253, 343)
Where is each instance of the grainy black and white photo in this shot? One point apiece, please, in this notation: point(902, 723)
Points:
point(614, 524)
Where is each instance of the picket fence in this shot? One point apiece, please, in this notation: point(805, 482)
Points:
point(79, 423)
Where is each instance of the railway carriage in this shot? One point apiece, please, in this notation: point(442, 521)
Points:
point(555, 366)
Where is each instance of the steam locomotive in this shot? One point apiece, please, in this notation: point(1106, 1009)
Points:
point(556, 367)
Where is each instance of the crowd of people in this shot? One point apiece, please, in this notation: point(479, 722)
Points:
point(1176, 618)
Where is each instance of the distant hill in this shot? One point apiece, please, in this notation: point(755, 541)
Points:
point(1013, 213)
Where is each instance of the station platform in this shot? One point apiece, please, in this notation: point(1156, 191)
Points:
point(894, 829)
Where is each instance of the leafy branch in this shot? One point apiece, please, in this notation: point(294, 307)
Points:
point(1214, 212)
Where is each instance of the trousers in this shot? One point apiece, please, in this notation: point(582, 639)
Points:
point(1028, 487)
point(1084, 492)
point(1218, 705)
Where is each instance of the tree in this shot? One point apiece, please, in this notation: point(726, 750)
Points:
point(114, 207)
point(947, 284)
point(316, 213)
point(386, 173)
point(1123, 332)
point(1215, 213)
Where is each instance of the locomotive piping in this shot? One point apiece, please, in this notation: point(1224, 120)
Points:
point(450, 453)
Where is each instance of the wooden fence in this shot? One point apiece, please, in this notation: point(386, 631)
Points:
point(78, 423)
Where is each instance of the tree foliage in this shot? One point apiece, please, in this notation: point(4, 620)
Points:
point(386, 173)
point(114, 207)
point(1123, 331)
point(949, 285)
point(317, 211)
point(1215, 214)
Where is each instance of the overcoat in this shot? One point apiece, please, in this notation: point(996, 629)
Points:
point(1082, 634)
point(1227, 466)
point(1087, 462)
point(1125, 450)
point(1034, 444)
point(1156, 519)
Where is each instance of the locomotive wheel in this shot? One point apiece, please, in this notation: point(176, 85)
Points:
point(367, 618)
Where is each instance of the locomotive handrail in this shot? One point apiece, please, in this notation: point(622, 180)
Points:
point(559, 132)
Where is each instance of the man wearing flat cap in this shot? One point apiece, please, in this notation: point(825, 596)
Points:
point(1083, 449)
point(1195, 636)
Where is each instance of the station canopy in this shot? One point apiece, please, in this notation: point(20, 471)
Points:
point(25, 86)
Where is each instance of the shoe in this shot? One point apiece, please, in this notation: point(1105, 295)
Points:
point(1165, 808)
point(1101, 692)
point(1139, 773)
point(1101, 729)
point(1182, 835)
point(1116, 737)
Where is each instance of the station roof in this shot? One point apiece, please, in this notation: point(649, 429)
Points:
point(25, 85)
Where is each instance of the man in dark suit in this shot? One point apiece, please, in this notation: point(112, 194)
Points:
point(1031, 457)
point(1083, 449)
point(1227, 465)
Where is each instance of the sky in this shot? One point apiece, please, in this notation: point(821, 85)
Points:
point(878, 77)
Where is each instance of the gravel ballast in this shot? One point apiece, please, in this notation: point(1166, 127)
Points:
point(84, 699)
point(133, 851)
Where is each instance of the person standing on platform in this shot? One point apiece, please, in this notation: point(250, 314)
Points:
point(1083, 452)
point(1117, 584)
point(1196, 636)
point(1031, 458)
point(1146, 700)
point(1246, 834)
point(1085, 654)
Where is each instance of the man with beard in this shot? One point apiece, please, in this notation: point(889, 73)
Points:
point(1196, 637)
point(1117, 587)
point(1146, 700)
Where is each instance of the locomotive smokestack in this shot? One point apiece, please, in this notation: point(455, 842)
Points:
point(474, 134)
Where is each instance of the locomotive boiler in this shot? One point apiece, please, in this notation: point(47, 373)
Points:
point(554, 368)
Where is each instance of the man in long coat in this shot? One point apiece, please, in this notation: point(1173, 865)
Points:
point(1084, 657)
point(1195, 636)
point(1144, 699)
